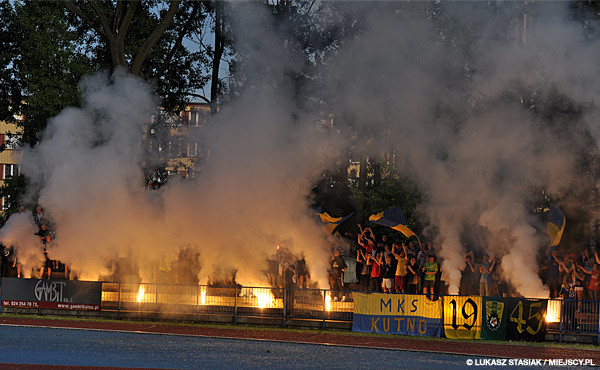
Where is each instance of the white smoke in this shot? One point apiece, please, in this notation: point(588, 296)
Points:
point(253, 193)
point(437, 86)
point(19, 232)
point(436, 80)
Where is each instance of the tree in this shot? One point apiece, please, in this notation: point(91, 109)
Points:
point(147, 38)
point(48, 63)
point(48, 46)
point(10, 91)
point(12, 191)
point(220, 41)
point(111, 22)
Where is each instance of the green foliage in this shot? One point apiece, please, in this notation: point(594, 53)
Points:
point(386, 189)
point(176, 70)
point(12, 191)
point(162, 58)
point(10, 91)
point(333, 194)
point(587, 13)
point(46, 49)
point(49, 63)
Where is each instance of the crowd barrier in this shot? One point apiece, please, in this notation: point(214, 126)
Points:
point(574, 317)
point(236, 301)
point(447, 315)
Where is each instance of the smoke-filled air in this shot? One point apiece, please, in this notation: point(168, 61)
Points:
point(438, 89)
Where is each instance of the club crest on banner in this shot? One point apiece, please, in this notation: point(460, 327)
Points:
point(493, 314)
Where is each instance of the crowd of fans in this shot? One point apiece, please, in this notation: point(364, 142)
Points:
point(574, 277)
point(183, 270)
point(367, 265)
point(371, 263)
point(384, 266)
point(375, 264)
point(9, 263)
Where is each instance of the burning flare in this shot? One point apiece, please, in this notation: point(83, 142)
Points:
point(141, 292)
point(553, 311)
point(203, 295)
point(265, 297)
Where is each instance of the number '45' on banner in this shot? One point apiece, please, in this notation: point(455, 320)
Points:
point(514, 319)
point(526, 319)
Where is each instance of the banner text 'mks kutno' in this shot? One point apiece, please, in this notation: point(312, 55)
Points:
point(404, 314)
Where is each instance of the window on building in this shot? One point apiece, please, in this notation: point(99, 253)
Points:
point(10, 170)
point(197, 117)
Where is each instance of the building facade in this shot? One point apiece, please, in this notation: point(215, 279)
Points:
point(11, 156)
point(175, 144)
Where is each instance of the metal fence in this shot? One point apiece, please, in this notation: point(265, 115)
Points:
point(194, 301)
point(573, 317)
point(563, 317)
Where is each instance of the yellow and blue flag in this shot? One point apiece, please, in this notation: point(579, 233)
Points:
point(556, 225)
point(392, 218)
point(330, 223)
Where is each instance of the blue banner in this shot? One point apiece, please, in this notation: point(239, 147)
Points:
point(404, 314)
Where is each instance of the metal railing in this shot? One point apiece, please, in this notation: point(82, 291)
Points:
point(573, 317)
point(194, 301)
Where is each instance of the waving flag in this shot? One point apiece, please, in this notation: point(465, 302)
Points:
point(556, 225)
point(392, 218)
point(330, 223)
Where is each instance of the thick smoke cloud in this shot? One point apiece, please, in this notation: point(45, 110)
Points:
point(18, 232)
point(252, 195)
point(441, 84)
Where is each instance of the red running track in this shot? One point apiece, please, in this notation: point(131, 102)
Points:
point(486, 349)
